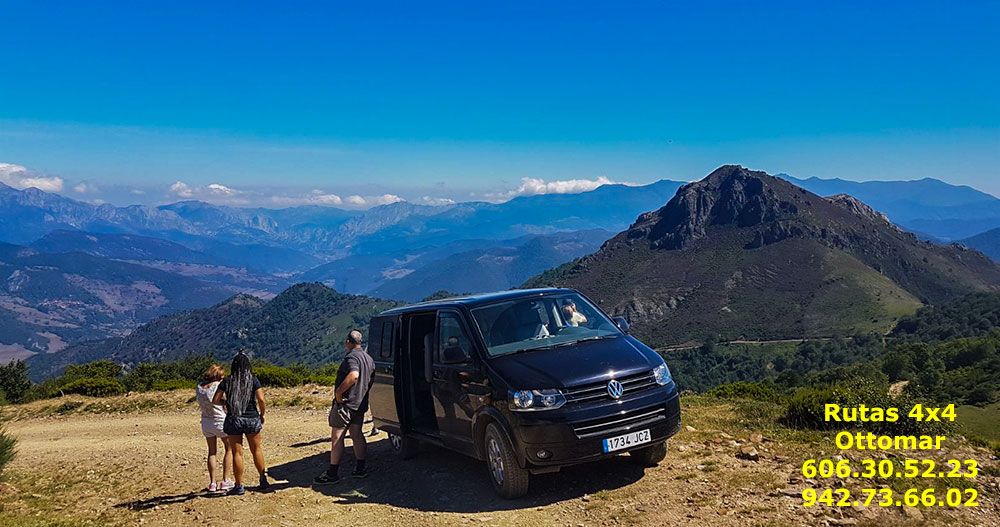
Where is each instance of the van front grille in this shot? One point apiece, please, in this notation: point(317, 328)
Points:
point(620, 422)
point(633, 384)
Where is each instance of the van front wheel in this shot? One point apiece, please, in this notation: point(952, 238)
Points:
point(404, 447)
point(649, 456)
point(509, 479)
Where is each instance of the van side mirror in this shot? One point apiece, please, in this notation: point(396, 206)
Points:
point(622, 324)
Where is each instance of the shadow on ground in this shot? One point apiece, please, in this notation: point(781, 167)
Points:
point(146, 504)
point(442, 481)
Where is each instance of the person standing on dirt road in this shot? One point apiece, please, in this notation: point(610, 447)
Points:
point(350, 402)
point(213, 417)
point(245, 408)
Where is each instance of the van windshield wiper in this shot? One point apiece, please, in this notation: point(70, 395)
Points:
point(567, 343)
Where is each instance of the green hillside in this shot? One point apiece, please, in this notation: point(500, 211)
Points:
point(305, 324)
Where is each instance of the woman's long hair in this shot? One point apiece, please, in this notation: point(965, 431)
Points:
point(240, 388)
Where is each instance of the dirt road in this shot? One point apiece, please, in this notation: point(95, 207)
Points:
point(147, 468)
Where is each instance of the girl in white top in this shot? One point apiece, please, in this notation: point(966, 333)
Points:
point(212, 417)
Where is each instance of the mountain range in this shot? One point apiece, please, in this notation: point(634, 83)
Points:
point(745, 255)
point(306, 324)
point(195, 254)
point(928, 207)
point(50, 300)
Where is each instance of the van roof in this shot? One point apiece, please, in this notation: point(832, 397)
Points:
point(477, 299)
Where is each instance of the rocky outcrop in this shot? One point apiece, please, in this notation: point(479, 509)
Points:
point(731, 195)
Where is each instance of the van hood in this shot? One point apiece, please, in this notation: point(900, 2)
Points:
point(586, 362)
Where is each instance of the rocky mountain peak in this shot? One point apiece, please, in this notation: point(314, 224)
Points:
point(731, 195)
point(860, 208)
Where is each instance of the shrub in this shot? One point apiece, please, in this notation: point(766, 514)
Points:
point(8, 449)
point(806, 408)
point(101, 369)
point(173, 384)
point(322, 380)
point(94, 387)
point(14, 381)
point(277, 376)
point(745, 390)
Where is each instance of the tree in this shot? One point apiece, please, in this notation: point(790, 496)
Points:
point(14, 381)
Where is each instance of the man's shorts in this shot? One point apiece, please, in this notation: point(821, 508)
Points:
point(242, 425)
point(342, 417)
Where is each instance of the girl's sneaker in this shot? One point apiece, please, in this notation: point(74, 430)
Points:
point(212, 487)
point(237, 490)
point(226, 485)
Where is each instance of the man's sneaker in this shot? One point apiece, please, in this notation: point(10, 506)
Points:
point(264, 483)
point(326, 479)
point(237, 490)
point(360, 473)
point(226, 485)
point(212, 487)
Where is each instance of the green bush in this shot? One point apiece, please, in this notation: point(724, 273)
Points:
point(322, 380)
point(94, 387)
point(14, 381)
point(173, 384)
point(806, 408)
point(745, 390)
point(276, 376)
point(101, 369)
point(8, 449)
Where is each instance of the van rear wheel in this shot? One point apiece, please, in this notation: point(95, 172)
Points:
point(509, 479)
point(649, 456)
point(404, 447)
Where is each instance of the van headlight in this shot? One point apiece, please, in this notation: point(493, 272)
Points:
point(531, 400)
point(662, 374)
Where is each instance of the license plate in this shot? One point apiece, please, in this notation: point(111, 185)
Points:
point(625, 441)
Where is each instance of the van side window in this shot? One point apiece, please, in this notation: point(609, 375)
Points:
point(387, 348)
point(454, 345)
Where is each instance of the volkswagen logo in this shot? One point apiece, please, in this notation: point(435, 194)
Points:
point(615, 389)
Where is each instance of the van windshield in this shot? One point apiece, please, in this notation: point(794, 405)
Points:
point(541, 322)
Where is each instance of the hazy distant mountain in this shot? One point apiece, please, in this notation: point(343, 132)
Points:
point(328, 232)
point(744, 254)
point(305, 324)
point(494, 268)
point(988, 242)
point(928, 206)
point(50, 300)
point(166, 256)
point(479, 265)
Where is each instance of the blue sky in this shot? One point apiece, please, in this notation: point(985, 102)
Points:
point(465, 100)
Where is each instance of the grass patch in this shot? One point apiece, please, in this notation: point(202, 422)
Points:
point(980, 421)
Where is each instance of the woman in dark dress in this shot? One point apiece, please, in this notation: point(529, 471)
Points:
point(245, 408)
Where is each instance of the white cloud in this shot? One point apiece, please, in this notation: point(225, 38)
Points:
point(137, 192)
point(533, 186)
point(316, 197)
point(222, 190)
point(385, 199)
point(181, 189)
point(357, 200)
point(427, 200)
point(86, 188)
point(537, 186)
point(21, 178)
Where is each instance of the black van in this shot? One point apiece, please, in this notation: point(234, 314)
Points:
point(529, 381)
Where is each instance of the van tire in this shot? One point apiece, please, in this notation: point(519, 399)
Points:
point(649, 456)
point(501, 464)
point(404, 447)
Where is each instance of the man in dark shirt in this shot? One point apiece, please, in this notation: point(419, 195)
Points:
point(350, 402)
